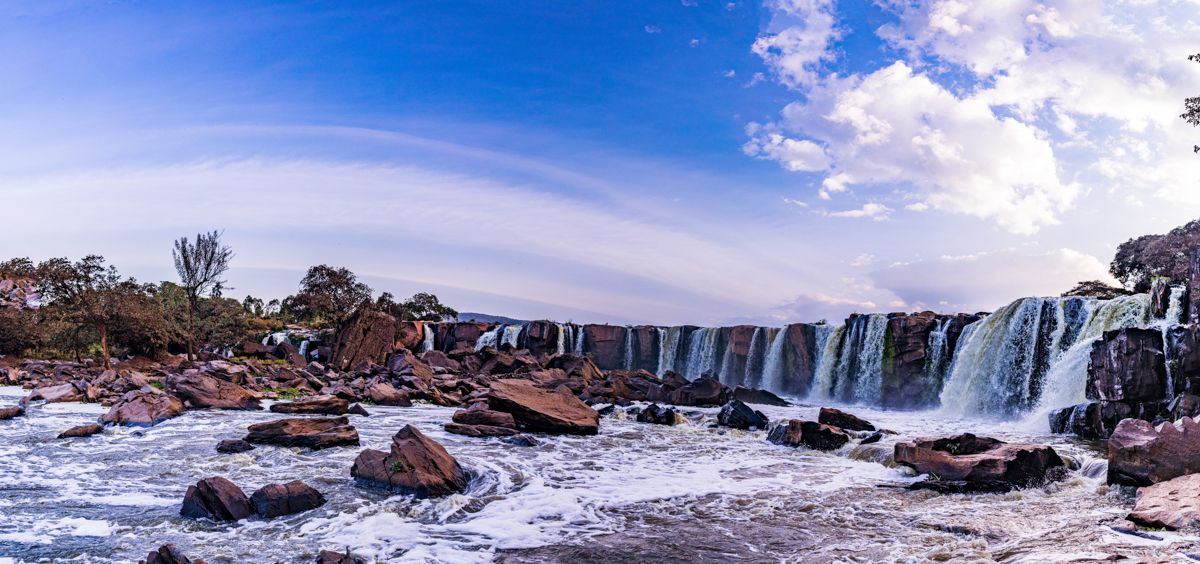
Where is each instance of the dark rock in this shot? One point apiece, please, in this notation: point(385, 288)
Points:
point(808, 433)
point(168, 554)
point(234, 446)
point(872, 438)
point(11, 412)
point(701, 392)
point(484, 417)
point(657, 414)
point(1183, 356)
point(330, 557)
point(1160, 298)
point(81, 431)
point(384, 394)
point(410, 334)
point(1097, 420)
point(1192, 315)
point(143, 409)
point(274, 500)
point(203, 391)
point(535, 409)
point(673, 381)
point(539, 337)
point(606, 343)
point(480, 430)
point(438, 359)
point(760, 397)
point(739, 416)
point(1128, 365)
point(843, 420)
point(985, 463)
point(316, 405)
point(402, 363)
point(417, 465)
point(1127, 528)
point(315, 433)
point(1141, 455)
point(1172, 504)
point(367, 336)
point(357, 409)
point(217, 499)
point(522, 439)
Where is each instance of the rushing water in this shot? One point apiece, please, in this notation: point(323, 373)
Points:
point(635, 493)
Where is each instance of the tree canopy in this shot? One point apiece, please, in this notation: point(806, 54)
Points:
point(1191, 107)
point(329, 292)
point(1139, 260)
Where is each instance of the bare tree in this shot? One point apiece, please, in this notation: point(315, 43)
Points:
point(1191, 107)
point(200, 266)
point(86, 294)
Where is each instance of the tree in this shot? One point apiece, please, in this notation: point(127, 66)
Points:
point(1191, 107)
point(88, 295)
point(328, 291)
point(1095, 289)
point(253, 306)
point(200, 266)
point(1138, 261)
point(426, 307)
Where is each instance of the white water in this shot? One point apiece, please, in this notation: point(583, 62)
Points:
point(512, 334)
point(489, 338)
point(772, 373)
point(428, 342)
point(702, 352)
point(578, 349)
point(629, 348)
point(852, 372)
point(562, 338)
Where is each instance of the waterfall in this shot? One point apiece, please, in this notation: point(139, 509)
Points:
point(669, 339)
point(629, 348)
point(578, 349)
point(823, 386)
point(562, 335)
point(1176, 313)
point(772, 373)
point(427, 342)
point(938, 355)
point(304, 349)
point(489, 338)
point(702, 352)
point(512, 333)
point(756, 358)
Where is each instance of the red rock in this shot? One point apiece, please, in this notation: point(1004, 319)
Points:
point(986, 464)
point(385, 394)
point(168, 554)
point(410, 335)
point(480, 430)
point(417, 465)
point(484, 417)
point(315, 433)
point(62, 393)
point(606, 343)
point(1140, 454)
point(203, 391)
point(368, 335)
point(274, 500)
point(320, 405)
point(701, 391)
point(81, 431)
point(11, 412)
point(1172, 504)
point(838, 418)
point(535, 409)
point(143, 409)
point(217, 499)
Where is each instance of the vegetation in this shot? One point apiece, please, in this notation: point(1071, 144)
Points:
point(1095, 289)
point(1138, 261)
point(200, 266)
point(420, 307)
point(1191, 107)
point(328, 295)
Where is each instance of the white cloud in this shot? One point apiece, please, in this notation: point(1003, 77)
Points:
point(863, 260)
point(792, 154)
point(798, 203)
point(872, 210)
point(796, 53)
point(730, 74)
point(917, 207)
point(653, 29)
point(690, 3)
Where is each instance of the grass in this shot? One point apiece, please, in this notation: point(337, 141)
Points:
point(158, 385)
point(289, 393)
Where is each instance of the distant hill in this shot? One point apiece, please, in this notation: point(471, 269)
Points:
point(485, 318)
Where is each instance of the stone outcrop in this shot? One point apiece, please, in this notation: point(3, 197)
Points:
point(1172, 504)
point(739, 416)
point(331, 557)
point(367, 336)
point(658, 415)
point(168, 554)
point(843, 420)
point(275, 500)
point(1192, 305)
point(234, 446)
point(701, 392)
point(315, 433)
point(416, 465)
point(201, 391)
point(1160, 298)
point(143, 408)
point(1183, 357)
point(811, 434)
point(760, 397)
point(316, 405)
point(11, 412)
point(606, 343)
point(217, 499)
point(62, 393)
point(81, 431)
point(383, 393)
point(1141, 455)
point(981, 463)
point(536, 409)
point(484, 417)
point(480, 430)
point(1127, 365)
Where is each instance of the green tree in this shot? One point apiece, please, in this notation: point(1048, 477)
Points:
point(1139, 260)
point(1191, 107)
point(253, 306)
point(327, 292)
point(426, 307)
point(200, 266)
point(88, 295)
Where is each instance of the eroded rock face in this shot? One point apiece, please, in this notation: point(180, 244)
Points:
point(383, 393)
point(480, 430)
point(983, 463)
point(62, 393)
point(1160, 298)
point(484, 417)
point(367, 336)
point(217, 499)
point(416, 465)
point(657, 414)
point(843, 420)
point(760, 397)
point(11, 412)
point(1172, 504)
point(203, 391)
point(739, 416)
point(168, 554)
point(808, 433)
point(535, 409)
point(606, 343)
point(143, 409)
point(1141, 455)
point(700, 392)
point(317, 405)
point(1183, 355)
point(1128, 365)
point(315, 433)
point(81, 431)
point(274, 500)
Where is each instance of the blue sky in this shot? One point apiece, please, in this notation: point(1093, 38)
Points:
point(659, 162)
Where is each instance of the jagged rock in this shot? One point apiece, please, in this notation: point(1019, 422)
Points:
point(759, 397)
point(606, 343)
point(1172, 504)
point(739, 416)
point(319, 405)
point(330, 557)
point(274, 500)
point(484, 417)
point(217, 499)
point(1128, 365)
point(673, 380)
point(1192, 315)
point(438, 359)
point(11, 412)
point(203, 391)
point(384, 394)
point(62, 393)
point(417, 465)
point(1160, 298)
point(81, 431)
point(402, 363)
point(1097, 420)
point(168, 554)
point(315, 433)
point(657, 414)
point(577, 366)
point(367, 335)
point(872, 438)
point(808, 433)
point(843, 420)
point(143, 408)
point(1183, 357)
point(357, 409)
point(701, 392)
point(983, 463)
point(1141, 455)
point(234, 446)
point(521, 439)
point(480, 430)
point(535, 409)
point(539, 337)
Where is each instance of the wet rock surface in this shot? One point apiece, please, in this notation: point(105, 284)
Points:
point(1172, 504)
point(535, 409)
point(217, 499)
point(843, 420)
point(234, 446)
point(416, 465)
point(11, 412)
point(168, 554)
point(1141, 455)
point(811, 434)
point(701, 392)
point(658, 415)
point(484, 417)
point(315, 433)
point(983, 463)
point(480, 430)
point(330, 557)
point(143, 409)
point(202, 391)
point(760, 397)
point(316, 405)
point(739, 416)
point(275, 500)
point(81, 431)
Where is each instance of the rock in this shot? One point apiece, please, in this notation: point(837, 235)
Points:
point(367, 335)
point(402, 363)
point(1160, 299)
point(739, 416)
point(438, 359)
point(1097, 420)
point(522, 439)
point(843, 420)
point(657, 414)
point(143, 409)
point(484, 417)
point(1183, 356)
point(417, 465)
point(168, 554)
point(316, 405)
point(203, 391)
point(384, 394)
point(983, 463)
point(288, 352)
point(63, 393)
point(808, 433)
point(234, 446)
point(1192, 303)
point(274, 500)
point(701, 392)
point(81, 431)
point(217, 499)
point(1141, 455)
point(872, 438)
point(11, 412)
point(606, 343)
point(1172, 504)
point(760, 397)
point(357, 409)
point(1128, 365)
point(330, 557)
point(480, 430)
point(535, 409)
point(315, 433)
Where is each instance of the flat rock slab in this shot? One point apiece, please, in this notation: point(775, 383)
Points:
point(274, 500)
point(759, 397)
point(983, 462)
point(480, 430)
point(317, 405)
point(234, 447)
point(217, 499)
point(62, 393)
point(202, 391)
point(535, 409)
point(416, 465)
point(315, 433)
point(1172, 504)
point(11, 412)
point(81, 431)
point(843, 420)
point(1141, 455)
point(143, 409)
point(484, 417)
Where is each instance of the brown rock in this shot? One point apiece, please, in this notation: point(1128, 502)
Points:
point(143, 409)
point(384, 394)
point(438, 359)
point(357, 409)
point(368, 335)
point(1128, 365)
point(1172, 504)
point(315, 433)
point(759, 397)
point(274, 500)
point(1160, 298)
point(577, 366)
point(316, 405)
point(62, 393)
point(11, 412)
point(331, 557)
point(234, 446)
point(402, 363)
point(217, 499)
point(811, 434)
point(480, 430)
point(838, 418)
point(535, 409)
point(606, 343)
point(81, 431)
point(986, 464)
point(168, 554)
point(701, 391)
point(484, 417)
point(1140, 454)
point(203, 391)
point(417, 465)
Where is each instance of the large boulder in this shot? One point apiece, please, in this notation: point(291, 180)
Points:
point(316, 405)
point(403, 363)
point(1098, 419)
point(577, 366)
point(274, 500)
point(143, 408)
point(701, 392)
point(843, 420)
point(367, 335)
point(811, 434)
point(382, 393)
point(11, 412)
point(1128, 365)
point(1140, 454)
point(739, 416)
point(217, 499)
point(331, 557)
point(202, 391)
point(1172, 504)
point(658, 415)
point(168, 554)
point(760, 397)
point(62, 393)
point(480, 430)
point(416, 465)
point(315, 433)
point(535, 409)
point(81, 431)
point(484, 417)
point(1160, 299)
point(234, 446)
point(981, 463)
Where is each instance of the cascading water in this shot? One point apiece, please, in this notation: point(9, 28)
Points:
point(669, 339)
point(629, 348)
point(854, 374)
point(562, 335)
point(772, 372)
point(489, 338)
point(578, 348)
point(938, 355)
point(702, 352)
point(512, 335)
point(427, 341)
point(756, 360)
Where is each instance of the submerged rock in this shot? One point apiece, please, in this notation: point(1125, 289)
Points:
point(843, 420)
point(480, 430)
point(234, 447)
point(739, 416)
point(316, 405)
point(521, 439)
point(760, 397)
point(202, 391)
point(168, 554)
point(808, 433)
point(982, 463)
point(331, 557)
point(81, 431)
point(535, 409)
point(416, 465)
point(217, 499)
point(1141, 455)
point(141, 408)
point(1172, 504)
point(315, 433)
point(11, 412)
point(274, 500)
point(657, 414)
